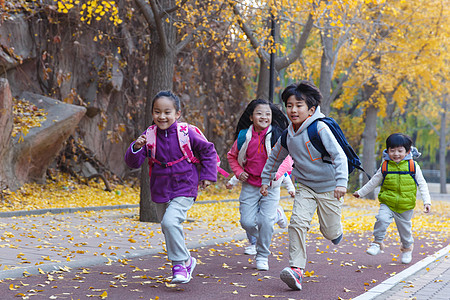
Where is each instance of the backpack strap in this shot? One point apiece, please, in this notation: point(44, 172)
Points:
point(353, 161)
point(150, 135)
point(185, 145)
point(384, 170)
point(184, 142)
point(411, 170)
point(283, 139)
point(241, 138)
point(314, 137)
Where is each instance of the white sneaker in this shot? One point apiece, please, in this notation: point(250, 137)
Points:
point(406, 257)
point(262, 264)
point(250, 250)
point(374, 249)
point(282, 219)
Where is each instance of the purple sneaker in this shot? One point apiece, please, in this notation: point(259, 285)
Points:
point(191, 266)
point(180, 274)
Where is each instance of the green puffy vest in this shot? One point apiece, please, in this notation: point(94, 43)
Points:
point(398, 191)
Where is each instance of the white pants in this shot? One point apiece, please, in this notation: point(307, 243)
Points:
point(259, 223)
point(172, 215)
point(305, 205)
point(403, 222)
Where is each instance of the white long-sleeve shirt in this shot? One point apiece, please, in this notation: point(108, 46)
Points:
point(377, 179)
point(287, 182)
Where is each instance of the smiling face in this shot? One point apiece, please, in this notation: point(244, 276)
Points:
point(297, 111)
point(164, 112)
point(261, 117)
point(397, 154)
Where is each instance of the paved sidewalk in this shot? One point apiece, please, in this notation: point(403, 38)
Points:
point(426, 279)
point(44, 243)
point(38, 244)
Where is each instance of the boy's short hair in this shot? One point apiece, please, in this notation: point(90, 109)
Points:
point(399, 140)
point(304, 90)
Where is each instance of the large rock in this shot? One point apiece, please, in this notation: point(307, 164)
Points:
point(16, 42)
point(29, 159)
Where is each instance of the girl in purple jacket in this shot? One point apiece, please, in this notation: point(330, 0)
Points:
point(174, 180)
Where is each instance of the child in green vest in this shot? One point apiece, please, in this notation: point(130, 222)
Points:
point(399, 176)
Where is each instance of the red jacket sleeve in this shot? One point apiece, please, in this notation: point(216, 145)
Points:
point(232, 156)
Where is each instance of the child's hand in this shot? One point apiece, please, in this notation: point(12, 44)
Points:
point(339, 192)
point(204, 184)
point(229, 186)
point(356, 195)
point(292, 193)
point(263, 190)
point(140, 142)
point(243, 176)
point(426, 208)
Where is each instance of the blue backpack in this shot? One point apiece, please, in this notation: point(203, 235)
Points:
point(352, 159)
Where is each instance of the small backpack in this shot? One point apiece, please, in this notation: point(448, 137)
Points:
point(411, 166)
point(352, 159)
point(185, 146)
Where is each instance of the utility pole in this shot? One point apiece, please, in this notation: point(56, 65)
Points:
point(272, 59)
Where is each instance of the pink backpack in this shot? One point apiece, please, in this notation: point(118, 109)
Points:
point(185, 146)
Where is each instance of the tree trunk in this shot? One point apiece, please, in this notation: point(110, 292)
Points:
point(263, 80)
point(160, 77)
point(369, 138)
point(326, 68)
point(443, 148)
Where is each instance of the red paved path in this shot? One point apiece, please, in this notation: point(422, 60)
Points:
point(340, 272)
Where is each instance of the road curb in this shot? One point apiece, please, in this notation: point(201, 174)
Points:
point(22, 213)
point(394, 280)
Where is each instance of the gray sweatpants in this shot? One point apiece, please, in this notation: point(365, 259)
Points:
point(403, 222)
point(172, 215)
point(259, 223)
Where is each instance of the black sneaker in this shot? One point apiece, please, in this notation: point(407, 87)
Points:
point(293, 277)
point(337, 240)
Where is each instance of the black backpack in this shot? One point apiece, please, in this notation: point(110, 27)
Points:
point(353, 160)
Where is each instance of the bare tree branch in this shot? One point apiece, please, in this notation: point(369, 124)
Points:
point(159, 27)
point(285, 61)
point(338, 88)
point(248, 32)
point(189, 38)
point(172, 9)
point(147, 12)
point(431, 125)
